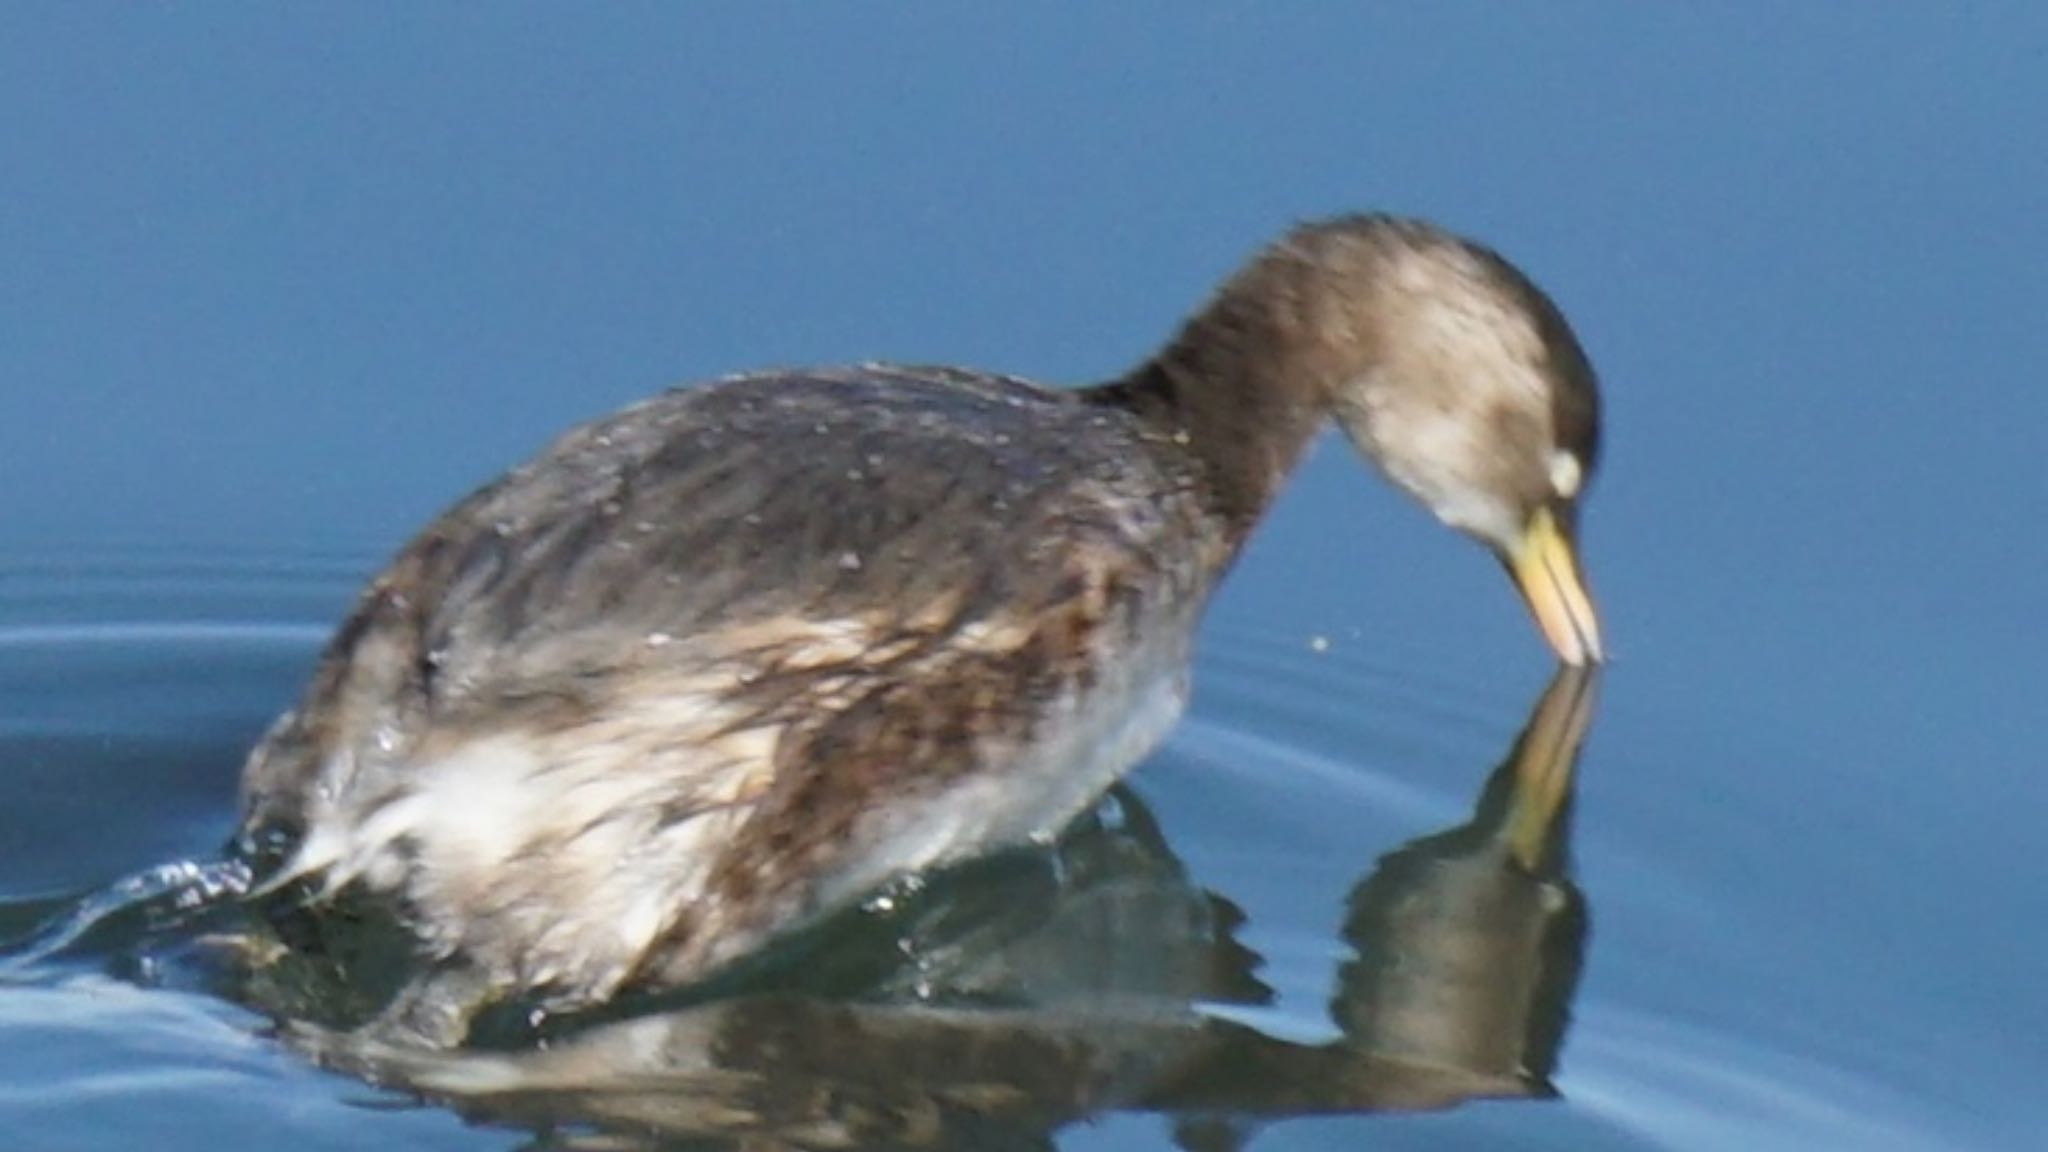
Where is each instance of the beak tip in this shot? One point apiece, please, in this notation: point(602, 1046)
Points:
point(1589, 652)
point(1546, 571)
point(1578, 654)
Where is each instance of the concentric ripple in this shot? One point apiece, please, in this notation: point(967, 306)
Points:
point(1312, 772)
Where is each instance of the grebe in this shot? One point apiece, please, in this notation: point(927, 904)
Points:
point(740, 654)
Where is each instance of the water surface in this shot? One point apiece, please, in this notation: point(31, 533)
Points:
point(284, 283)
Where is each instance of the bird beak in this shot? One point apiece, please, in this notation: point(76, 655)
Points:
point(1547, 571)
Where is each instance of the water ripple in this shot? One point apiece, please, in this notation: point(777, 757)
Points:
point(159, 899)
point(1685, 1087)
point(1342, 748)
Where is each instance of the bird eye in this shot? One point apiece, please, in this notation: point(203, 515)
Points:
point(1565, 474)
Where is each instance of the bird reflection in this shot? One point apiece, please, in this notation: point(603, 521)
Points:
point(1008, 1001)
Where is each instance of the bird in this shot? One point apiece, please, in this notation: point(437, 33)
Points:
point(737, 656)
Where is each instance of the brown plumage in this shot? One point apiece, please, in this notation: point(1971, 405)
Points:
point(732, 657)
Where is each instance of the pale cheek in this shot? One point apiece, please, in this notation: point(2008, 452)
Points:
point(1444, 463)
point(1479, 517)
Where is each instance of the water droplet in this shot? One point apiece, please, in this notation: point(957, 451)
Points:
point(751, 518)
point(1319, 643)
point(659, 639)
point(856, 475)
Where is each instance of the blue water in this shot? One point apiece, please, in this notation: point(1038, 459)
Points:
point(280, 283)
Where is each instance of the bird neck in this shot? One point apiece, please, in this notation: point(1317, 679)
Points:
point(1243, 388)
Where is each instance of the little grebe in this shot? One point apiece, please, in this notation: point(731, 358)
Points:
point(731, 658)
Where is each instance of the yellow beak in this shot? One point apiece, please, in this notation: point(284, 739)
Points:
point(1547, 571)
